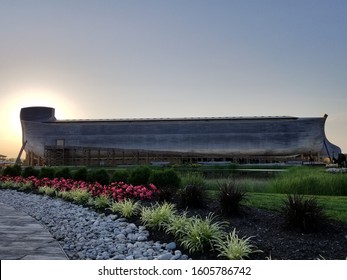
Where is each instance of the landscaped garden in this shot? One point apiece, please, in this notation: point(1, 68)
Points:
point(212, 213)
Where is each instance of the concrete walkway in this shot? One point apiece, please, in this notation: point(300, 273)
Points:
point(24, 238)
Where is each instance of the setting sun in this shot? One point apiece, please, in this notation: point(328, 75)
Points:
point(135, 60)
point(11, 104)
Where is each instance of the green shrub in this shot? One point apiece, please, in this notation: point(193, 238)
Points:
point(121, 176)
point(63, 173)
point(158, 216)
point(303, 214)
point(202, 234)
point(165, 178)
point(193, 196)
point(18, 169)
point(47, 172)
point(229, 198)
point(30, 171)
point(13, 170)
point(80, 174)
point(140, 175)
point(235, 248)
point(100, 176)
point(127, 207)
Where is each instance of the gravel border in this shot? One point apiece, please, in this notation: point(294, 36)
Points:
point(84, 234)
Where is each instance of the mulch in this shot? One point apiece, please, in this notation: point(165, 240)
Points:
point(272, 237)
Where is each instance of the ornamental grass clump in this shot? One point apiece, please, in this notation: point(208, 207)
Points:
point(46, 190)
point(80, 196)
point(26, 186)
point(307, 180)
point(127, 207)
point(178, 225)
point(303, 214)
point(157, 216)
point(229, 198)
point(235, 248)
point(193, 196)
point(66, 195)
point(101, 201)
point(6, 184)
point(202, 234)
point(193, 178)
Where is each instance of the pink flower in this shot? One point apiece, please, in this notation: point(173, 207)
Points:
point(129, 189)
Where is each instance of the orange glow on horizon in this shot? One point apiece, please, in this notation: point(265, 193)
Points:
point(11, 104)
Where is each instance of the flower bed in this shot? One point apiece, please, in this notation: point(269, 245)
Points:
point(270, 238)
point(117, 191)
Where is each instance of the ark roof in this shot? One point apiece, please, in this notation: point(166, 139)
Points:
point(175, 119)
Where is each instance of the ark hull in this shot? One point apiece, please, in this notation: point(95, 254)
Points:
point(214, 138)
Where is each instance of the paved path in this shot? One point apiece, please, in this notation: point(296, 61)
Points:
point(24, 238)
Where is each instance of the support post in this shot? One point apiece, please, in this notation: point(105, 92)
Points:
point(20, 152)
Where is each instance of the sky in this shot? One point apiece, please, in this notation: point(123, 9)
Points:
point(175, 58)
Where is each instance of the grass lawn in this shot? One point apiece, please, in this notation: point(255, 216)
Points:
point(268, 193)
point(335, 206)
